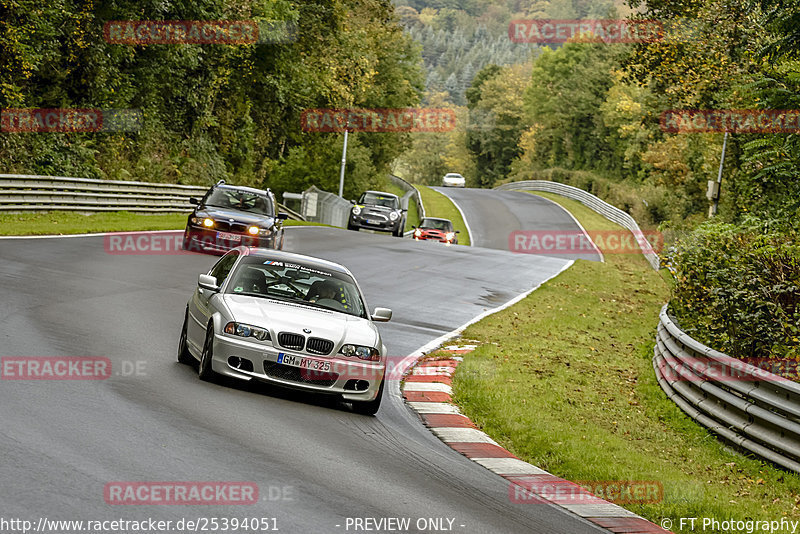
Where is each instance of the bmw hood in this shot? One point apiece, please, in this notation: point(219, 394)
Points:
point(223, 214)
point(277, 316)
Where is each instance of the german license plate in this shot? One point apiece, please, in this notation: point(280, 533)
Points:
point(373, 221)
point(303, 363)
point(228, 237)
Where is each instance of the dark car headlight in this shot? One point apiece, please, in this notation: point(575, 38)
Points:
point(245, 330)
point(206, 222)
point(364, 353)
point(258, 231)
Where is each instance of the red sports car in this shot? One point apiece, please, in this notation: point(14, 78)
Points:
point(434, 229)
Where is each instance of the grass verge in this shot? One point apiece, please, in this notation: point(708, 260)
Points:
point(70, 222)
point(438, 205)
point(564, 380)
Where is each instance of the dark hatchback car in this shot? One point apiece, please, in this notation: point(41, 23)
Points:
point(376, 210)
point(229, 216)
point(433, 229)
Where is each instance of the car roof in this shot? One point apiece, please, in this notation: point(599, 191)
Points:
point(242, 188)
point(317, 263)
point(453, 174)
point(383, 193)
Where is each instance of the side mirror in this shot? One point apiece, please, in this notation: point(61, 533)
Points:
point(206, 281)
point(458, 231)
point(404, 210)
point(193, 200)
point(352, 201)
point(381, 315)
point(282, 216)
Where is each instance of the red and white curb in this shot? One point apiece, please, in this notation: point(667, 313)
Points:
point(426, 389)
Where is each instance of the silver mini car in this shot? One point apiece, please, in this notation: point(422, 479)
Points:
point(286, 319)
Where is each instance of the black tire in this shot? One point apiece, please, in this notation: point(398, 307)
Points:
point(279, 243)
point(369, 407)
point(186, 241)
point(204, 370)
point(184, 356)
point(352, 227)
point(399, 230)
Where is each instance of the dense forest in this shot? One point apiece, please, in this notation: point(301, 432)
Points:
point(210, 111)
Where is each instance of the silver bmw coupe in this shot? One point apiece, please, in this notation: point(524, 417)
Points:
point(286, 319)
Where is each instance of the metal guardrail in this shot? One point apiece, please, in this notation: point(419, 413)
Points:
point(324, 207)
point(412, 193)
point(23, 192)
point(605, 209)
point(749, 406)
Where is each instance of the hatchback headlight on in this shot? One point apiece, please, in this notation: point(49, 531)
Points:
point(245, 330)
point(393, 215)
point(363, 353)
point(449, 236)
point(356, 210)
point(417, 233)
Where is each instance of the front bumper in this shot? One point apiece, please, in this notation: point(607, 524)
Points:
point(373, 223)
point(198, 239)
point(442, 239)
point(230, 353)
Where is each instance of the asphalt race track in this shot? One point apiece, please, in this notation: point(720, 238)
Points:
point(494, 215)
point(316, 465)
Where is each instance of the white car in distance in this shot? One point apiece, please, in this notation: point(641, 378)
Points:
point(453, 179)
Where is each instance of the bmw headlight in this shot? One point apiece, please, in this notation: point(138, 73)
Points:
point(356, 210)
point(202, 221)
point(245, 330)
point(361, 352)
point(393, 215)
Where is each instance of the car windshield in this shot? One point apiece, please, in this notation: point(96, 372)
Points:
point(375, 199)
point(295, 282)
point(436, 224)
point(239, 200)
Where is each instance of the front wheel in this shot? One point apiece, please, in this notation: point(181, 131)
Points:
point(352, 227)
point(184, 356)
point(369, 407)
point(204, 370)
